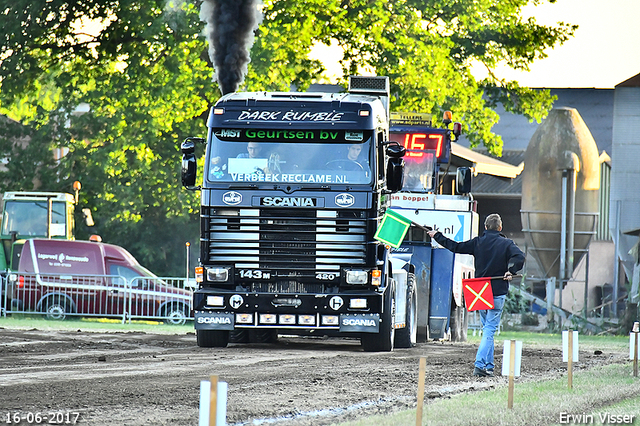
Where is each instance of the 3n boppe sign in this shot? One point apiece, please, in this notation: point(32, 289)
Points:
point(456, 225)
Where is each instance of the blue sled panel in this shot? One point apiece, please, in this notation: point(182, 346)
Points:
point(441, 292)
point(420, 258)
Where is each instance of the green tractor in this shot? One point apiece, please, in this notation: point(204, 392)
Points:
point(27, 215)
point(33, 215)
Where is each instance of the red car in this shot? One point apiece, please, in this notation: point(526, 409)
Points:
point(62, 278)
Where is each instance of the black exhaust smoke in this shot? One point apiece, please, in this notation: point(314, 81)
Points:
point(229, 30)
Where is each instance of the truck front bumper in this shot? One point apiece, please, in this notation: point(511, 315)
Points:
point(344, 312)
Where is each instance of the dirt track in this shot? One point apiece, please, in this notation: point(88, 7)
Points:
point(154, 379)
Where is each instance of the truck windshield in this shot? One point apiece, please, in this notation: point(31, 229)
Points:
point(419, 171)
point(290, 156)
point(29, 218)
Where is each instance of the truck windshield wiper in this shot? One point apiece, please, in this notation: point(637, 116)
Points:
point(252, 186)
point(288, 189)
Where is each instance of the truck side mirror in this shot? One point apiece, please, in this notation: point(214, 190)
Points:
point(463, 180)
point(395, 166)
point(395, 150)
point(395, 174)
point(189, 163)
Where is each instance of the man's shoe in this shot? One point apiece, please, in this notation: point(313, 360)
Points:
point(490, 373)
point(479, 372)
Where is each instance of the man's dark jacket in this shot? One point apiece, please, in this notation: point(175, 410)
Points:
point(494, 255)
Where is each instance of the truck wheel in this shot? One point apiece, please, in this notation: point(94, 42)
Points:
point(459, 322)
point(384, 339)
point(176, 314)
point(408, 336)
point(212, 338)
point(57, 308)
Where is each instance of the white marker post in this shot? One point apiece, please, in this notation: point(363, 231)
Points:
point(633, 347)
point(570, 352)
point(421, 377)
point(511, 360)
point(213, 402)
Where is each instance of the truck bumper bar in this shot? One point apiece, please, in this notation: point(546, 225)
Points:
point(346, 323)
point(344, 312)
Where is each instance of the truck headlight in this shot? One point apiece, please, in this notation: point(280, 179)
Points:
point(217, 274)
point(357, 277)
point(267, 319)
point(287, 319)
point(244, 318)
point(217, 301)
point(358, 303)
point(307, 319)
point(330, 320)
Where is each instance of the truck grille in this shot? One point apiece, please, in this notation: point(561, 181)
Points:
point(296, 242)
point(287, 286)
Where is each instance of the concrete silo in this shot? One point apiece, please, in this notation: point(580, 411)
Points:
point(560, 185)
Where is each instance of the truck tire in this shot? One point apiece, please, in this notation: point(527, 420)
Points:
point(56, 308)
point(212, 338)
point(408, 336)
point(458, 323)
point(383, 340)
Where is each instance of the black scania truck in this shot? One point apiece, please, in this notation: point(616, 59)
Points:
point(294, 187)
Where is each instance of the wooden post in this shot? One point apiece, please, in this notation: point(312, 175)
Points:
point(421, 377)
point(213, 402)
point(512, 372)
point(570, 359)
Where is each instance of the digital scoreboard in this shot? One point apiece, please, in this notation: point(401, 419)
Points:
point(418, 143)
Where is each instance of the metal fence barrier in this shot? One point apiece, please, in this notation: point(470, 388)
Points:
point(3, 297)
point(59, 296)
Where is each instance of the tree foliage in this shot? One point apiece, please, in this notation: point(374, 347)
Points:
point(143, 68)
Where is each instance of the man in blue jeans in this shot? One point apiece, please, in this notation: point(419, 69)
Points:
point(494, 256)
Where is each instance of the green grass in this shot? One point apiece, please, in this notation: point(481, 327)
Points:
point(585, 342)
point(610, 389)
point(17, 321)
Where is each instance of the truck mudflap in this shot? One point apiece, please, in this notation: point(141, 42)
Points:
point(360, 323)
point(213, 321)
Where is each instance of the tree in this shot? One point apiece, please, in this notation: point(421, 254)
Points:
point(144, 77)
point(427, 49)
point(143, 68)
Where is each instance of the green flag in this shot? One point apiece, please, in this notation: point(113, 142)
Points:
point(392, 229)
